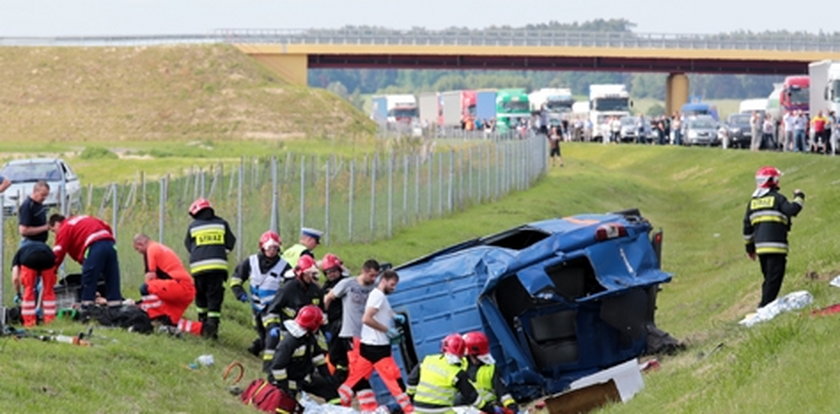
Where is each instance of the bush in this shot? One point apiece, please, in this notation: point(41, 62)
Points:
point(97, 153)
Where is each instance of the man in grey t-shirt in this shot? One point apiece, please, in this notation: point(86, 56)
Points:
point(353, 293)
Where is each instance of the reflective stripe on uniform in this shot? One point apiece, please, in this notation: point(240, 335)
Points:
point(208, 234)
point(209, 264)
point(299, 351)
point(279, 374)
point(768, 216)
point(771, 247)
point(319, 360)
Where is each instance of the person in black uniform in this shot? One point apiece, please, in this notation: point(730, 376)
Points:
point(295, 294)
point(766, 225)
point(208, 239)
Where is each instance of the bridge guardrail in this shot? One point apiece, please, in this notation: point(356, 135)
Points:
point(538, 38)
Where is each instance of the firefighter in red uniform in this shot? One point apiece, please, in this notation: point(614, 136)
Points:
point(89, 241)
point(766, 225)
point(169, 289)
point(299, 362)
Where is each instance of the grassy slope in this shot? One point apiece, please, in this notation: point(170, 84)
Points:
point(109, 94)
point(697, 195)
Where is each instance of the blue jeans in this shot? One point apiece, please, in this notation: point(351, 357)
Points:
point(101, 262)
point(799, 141)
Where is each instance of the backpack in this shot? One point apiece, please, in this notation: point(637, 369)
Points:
point(266, 397)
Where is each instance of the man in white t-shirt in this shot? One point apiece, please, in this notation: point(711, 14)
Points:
point(353, 294)
point(378, 331)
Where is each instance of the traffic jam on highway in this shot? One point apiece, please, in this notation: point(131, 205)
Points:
point(799, 114)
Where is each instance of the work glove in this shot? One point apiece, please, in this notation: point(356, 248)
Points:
point(18, 299)
point(798, 193)
point(399, 319)
point(274, 332)
point(242, 296)
point(328, 336)
point(394, 335)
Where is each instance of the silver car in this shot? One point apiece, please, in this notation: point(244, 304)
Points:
point(700, 131)
point(64, 183)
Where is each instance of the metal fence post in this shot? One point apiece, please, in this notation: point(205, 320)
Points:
point(440, 184)
point(302, 191)
point(406, 169)
point(449, 193)
point(431, 163)
point(273, 220)
point(239, 218)
point(114, 206)
point(350, 200)
point(327, 202)
point(162, 211)
point(416, 187)
point(390, 193)
point(375, 162)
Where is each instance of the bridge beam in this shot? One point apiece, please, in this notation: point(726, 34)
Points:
point(676, 92)
point(292, 66)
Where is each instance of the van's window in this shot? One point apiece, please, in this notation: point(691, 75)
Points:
point(516, 239)
point(574, 279)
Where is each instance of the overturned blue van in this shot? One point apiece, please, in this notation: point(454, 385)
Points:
point(559, 299)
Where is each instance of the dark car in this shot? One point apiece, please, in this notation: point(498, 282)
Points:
point(740, 134)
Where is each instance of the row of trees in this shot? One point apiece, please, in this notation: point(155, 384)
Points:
point(350, 82)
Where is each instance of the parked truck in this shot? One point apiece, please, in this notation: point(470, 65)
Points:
point(512, 107)
point(485, 105)
point(559, 299)
point(458, 109)
point(824, 91)
point(605, 103)
point(795, 93)
point(552, 105)
point(393, 110)
point(430, 110)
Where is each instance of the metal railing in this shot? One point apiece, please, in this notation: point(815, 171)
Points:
point(487, 37)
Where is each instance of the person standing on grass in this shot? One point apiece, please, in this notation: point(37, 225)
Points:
point(32, 215)
point(766, 225)
point(208, 239)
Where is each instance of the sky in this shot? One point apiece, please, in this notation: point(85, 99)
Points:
point(48, 18)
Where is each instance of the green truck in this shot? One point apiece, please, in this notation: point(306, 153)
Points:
point(511, 108)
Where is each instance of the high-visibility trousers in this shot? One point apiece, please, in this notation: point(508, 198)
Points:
point(168, 297)
point(29, 280)
point(387, 369)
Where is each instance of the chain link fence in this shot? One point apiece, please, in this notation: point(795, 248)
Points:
point(351, 200)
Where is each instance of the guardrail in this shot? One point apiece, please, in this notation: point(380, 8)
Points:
point(731, 41)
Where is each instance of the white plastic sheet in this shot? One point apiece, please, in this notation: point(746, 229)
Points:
point(790, 302)
point(835, 282)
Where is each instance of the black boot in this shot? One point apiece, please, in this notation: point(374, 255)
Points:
point(256, 347)
point(210, 328)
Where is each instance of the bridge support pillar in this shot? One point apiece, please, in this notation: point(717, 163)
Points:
point(676, 92)
point(292, 67)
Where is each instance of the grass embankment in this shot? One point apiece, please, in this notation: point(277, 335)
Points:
point(696, 194)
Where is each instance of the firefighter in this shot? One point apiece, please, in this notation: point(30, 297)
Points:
point(333, 269)
point(309, 239)
point(90, 242)
point(35, 259)
point(264, 273)
point(481, 368)
point(208, 239)
point(299, 362)
point(168, 289)
point(766, 225)
point(296, 293)
point(435, 382)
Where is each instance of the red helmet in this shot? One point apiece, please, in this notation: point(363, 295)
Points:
point(476, 343)
point(453, 344)
point(304, 263)
point(199, 204)
point(310, 317)
point(330, 261)
point(767, 177)
point(269, 239)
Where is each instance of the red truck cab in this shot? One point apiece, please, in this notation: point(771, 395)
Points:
point(794, 96)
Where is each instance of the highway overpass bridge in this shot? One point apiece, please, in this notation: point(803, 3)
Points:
point(292, 52)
